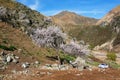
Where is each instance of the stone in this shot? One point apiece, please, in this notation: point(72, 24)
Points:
point(37, 62)
point(9, 59)
point(2, 53)
point(79, 63)
point(19, 50)
point(25, 65)
point(16, 57)
point(0, 58)
point(15, 61)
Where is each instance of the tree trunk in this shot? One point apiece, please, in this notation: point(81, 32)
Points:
point(58, 57)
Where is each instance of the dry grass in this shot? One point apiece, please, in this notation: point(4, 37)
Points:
point(12, 36)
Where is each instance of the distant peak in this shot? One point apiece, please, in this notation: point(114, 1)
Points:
point(67, 12)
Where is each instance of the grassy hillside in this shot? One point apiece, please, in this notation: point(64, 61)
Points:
point(10, 36)
point(94, 35)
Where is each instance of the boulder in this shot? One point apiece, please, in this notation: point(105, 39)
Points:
point(15, 61)
point(37, 62)
point(8, 59)
point(79, 63)
point(25, 65)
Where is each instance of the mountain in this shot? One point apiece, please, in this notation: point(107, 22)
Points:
point(105, 32)
point(20, 16)
point(72, 18)
point(16, 24)
point(108, 18)
point(112, 20)
point(69, 19)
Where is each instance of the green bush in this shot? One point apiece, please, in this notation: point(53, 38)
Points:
point(3, 47)
point(10, 48)
point(111, 56)
point(67, 57)
point(113, 64)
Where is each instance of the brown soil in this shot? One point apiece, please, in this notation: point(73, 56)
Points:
point(36, 74)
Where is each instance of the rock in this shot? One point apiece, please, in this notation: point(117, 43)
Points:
point(8, 59)
point(79, 63)
point(4, 60)
point(55, 67)
point(0, 58)
point(63, 67)
point(49, 73)
point(25, 65)
point(16, 57)
point(2, 53)
point(37, 62)
point(14, 71)
point(20, 50)
point(3, 11)
point(15, 61)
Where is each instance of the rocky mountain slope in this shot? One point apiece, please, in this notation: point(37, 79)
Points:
point(112, 20)
point(72, 20)
point(20, 16)
point(21, 58)
point(16, 22)
point(28, 31)
point(106, 31)
point(108, 18)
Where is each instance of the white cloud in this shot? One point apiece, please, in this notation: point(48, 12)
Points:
point(35, 6)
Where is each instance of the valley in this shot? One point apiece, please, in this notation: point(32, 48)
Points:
point(65, 46)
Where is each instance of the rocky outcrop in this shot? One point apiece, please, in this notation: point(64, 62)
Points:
point(7, 58)
point(112, 20)
point(21, 16)
point(108, 18)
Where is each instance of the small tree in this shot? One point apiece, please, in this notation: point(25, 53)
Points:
point(49, 37)
point(74, 48)
point(111, 56)
point(54, 37)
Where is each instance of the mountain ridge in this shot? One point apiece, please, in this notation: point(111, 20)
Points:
point(109, 16)
point(73, 18)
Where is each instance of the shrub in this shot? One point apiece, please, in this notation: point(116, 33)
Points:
point(69, 58)
point(3, 47)
point(10, 48)
point(66, 57)
point(74, 48)
point(113, 64)
point(111, 56)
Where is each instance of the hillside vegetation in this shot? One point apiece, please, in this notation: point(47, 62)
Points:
point(70, 20)
point(94, 35)
point(10, 36)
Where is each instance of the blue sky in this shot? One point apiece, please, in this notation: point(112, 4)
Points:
point(91, 8)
